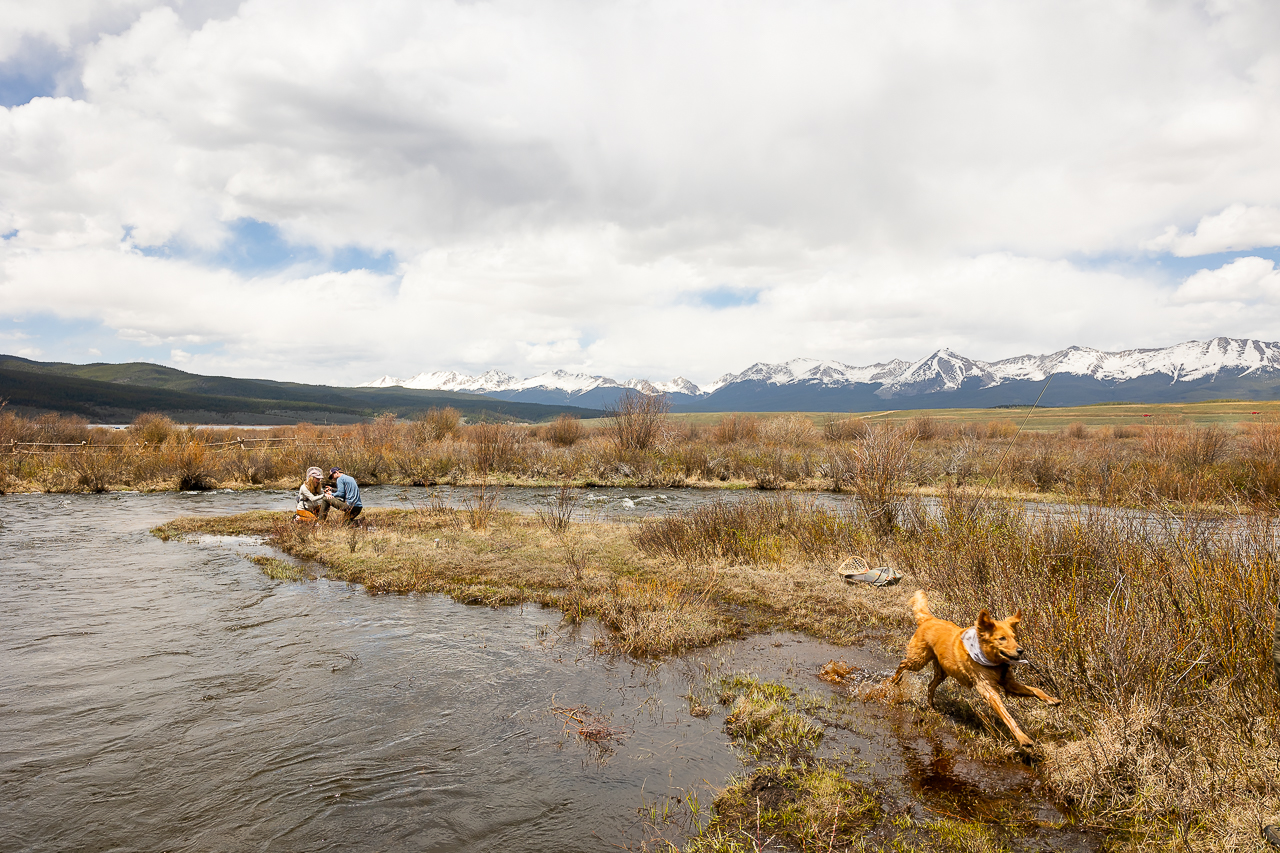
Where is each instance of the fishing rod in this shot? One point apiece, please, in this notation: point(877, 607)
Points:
point(991, 480)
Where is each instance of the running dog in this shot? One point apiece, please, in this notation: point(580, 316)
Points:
point(980, 657)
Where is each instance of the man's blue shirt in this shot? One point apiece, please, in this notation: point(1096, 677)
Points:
point(347, 490)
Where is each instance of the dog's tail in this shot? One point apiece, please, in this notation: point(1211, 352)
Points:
point(920, 607)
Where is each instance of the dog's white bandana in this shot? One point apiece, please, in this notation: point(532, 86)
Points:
point(971, 645)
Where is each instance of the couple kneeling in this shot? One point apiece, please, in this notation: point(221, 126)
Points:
point(316, 499)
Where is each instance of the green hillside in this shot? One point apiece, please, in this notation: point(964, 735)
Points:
point(119, 392)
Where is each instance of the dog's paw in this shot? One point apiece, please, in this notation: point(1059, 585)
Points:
point(1053, 702)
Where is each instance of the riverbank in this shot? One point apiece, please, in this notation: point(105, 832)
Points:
point(1156, 638)
point(655, 606)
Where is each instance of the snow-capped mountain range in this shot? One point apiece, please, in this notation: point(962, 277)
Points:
point(1221, 367)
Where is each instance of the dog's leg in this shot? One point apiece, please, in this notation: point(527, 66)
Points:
point(988, 692)
point(939, 676)
point(918, 654)
point(1014, 687)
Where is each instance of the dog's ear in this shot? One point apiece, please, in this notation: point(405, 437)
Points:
point(1016, 617)
point(986, 624)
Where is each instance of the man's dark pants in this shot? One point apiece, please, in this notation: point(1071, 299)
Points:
point(353, 512)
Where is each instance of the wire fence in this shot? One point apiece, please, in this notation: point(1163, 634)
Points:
point(222, 446)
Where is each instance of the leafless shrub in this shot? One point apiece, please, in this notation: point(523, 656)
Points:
point(97, 468)
point(1077, 431)
point(576, 555)
point(734, 428)
point(635, 420)
point(880, 464)
point(925, 428)
point(1203, 446)
point(963, 460)
point(380, 433)
point(1188, 446)
point(151, 428)
point(194, 467)
point(848, 429)
point(1263, 438)
point(558, 515)
point(1046, 468)
point(493, 446)
point(437, 424)
point(564, 431)
point(767, 473)
point(995, 429)
point(790, 430)
point(479, 509)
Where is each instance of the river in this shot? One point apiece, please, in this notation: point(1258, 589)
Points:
point(168, 696)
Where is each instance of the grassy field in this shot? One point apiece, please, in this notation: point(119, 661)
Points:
point(1227, 413)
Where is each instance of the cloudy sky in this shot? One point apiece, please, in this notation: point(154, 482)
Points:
point(330, 191)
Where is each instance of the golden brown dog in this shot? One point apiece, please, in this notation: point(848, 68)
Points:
point(984, 662)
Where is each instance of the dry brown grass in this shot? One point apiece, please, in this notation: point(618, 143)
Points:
point(655, 604)
point(1156, 633)
point(1165, 461)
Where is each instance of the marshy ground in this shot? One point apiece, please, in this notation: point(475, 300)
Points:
point(1156, 635)
point(1155, 628)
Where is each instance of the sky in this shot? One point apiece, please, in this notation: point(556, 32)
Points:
point(328, 192)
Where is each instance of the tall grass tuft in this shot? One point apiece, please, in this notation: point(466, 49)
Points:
point(764, 530)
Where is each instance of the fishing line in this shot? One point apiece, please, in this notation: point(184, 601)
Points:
point(999, 464)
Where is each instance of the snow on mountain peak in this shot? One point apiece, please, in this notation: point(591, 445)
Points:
point(942, 370)
point(387, 381)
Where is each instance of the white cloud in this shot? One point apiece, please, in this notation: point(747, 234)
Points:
point(559, 182)
point(1242, 280)
point(1239, 228)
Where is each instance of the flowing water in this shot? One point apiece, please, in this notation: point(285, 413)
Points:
point(169, 696)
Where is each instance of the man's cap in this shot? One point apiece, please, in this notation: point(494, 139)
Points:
point(334, 470)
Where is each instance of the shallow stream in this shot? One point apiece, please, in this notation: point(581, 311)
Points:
point(169, 696)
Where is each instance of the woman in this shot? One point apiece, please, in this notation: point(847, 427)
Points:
point(311, 494)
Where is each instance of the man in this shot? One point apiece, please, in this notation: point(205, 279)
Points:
point(345, 495)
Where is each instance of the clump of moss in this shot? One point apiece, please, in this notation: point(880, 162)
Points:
point(761, 718)
point(801, 806)
point(280, 570)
